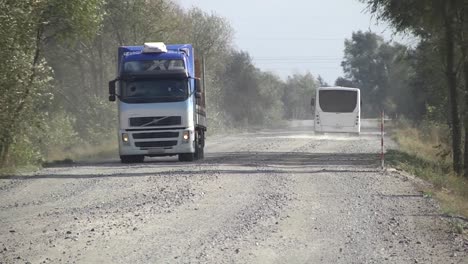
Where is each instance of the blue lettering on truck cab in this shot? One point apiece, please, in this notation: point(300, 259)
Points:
point(161, 102)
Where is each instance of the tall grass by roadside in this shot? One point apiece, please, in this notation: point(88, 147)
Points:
point(424, 152)
point(87, 152)
point(67, 155)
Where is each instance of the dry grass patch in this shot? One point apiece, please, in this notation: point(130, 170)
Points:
point(87, 152)
point(425, 152)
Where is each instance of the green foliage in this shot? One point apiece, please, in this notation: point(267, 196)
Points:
point(25, 81)
point(57, 57)
point(69, 20)
point(24, 151)
point(211, 35)
point(380, 70)
point(24, 75)
point(417, 16)
point(444, 25)
point(58, 132)
point(137, 21)
point(242, 91)
point(428, 84)
point(251, 97)
point(103, 117)
point(299, 90)
point(271, 90)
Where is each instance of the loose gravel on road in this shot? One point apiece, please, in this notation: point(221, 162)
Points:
point(274, 196)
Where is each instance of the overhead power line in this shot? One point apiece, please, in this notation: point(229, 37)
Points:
point(297, 57)
point(290, 38)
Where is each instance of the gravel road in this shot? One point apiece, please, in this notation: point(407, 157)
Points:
point(280, 196)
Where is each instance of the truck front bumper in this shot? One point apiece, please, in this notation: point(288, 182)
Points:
point(156, 142)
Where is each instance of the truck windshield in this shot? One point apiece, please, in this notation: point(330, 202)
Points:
point(337, 101)
point(154, 91)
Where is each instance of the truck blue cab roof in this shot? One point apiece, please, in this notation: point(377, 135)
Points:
point(174, 52)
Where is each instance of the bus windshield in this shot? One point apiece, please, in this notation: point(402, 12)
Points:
point(337, 101)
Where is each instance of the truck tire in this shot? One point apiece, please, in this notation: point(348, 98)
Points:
point(187, 157)
point(132, 158)
point(199, 146)
point(201, 153)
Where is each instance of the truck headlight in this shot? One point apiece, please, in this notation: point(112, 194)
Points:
point(186, 136)
point(125, 138)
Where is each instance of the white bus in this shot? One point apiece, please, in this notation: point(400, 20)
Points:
point(337, 110)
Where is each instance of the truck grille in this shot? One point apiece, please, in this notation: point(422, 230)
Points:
point(153, 121)
point(155, 144)
point(156, 135)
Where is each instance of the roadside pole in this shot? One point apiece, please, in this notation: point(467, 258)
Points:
point(382, 151)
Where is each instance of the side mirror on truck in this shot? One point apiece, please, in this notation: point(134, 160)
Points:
point(198, 93)
point(312, 101)
point(112, 90)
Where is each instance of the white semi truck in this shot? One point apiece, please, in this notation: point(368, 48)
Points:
point(161, 102)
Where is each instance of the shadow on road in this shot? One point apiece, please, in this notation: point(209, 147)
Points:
point(223, 163)
point(294, 159)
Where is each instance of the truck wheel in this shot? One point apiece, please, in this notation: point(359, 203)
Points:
point(200, 145)
point(198, 149)
point(201, 153)
point(139, 159)
point(132, 158)
point(187, 157)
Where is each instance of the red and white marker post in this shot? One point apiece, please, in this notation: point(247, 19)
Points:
point(382, 132)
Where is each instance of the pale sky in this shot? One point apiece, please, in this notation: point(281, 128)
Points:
point(294, 36)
